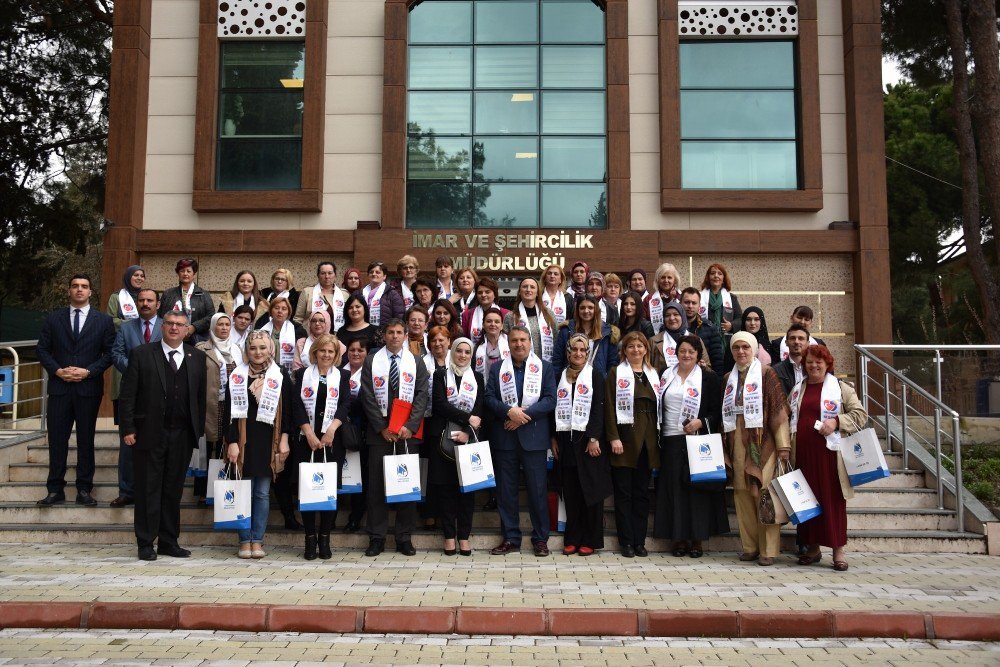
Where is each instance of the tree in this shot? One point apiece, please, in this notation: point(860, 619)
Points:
point(54, 70)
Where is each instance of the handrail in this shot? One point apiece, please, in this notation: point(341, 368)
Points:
point(863, 349)
point(929, 348)
point(10, 347)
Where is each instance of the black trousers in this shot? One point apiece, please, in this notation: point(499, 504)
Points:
point(159, 483)
point(456, 510)
point(326, 520)
point(632, 501)
point(584, 523)
point(285, 487)
point(64, 411)
point(378, 508)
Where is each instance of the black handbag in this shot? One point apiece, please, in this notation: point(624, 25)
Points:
point(447, 446)
point(351, 436)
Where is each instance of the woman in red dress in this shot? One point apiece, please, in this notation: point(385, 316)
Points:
point(823, 409)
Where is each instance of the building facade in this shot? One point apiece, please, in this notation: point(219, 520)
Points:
point(509, 134)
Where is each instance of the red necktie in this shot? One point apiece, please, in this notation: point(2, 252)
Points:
point(146, 335)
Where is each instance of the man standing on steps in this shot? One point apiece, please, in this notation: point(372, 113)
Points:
point(162, 415)
point(790, 370)
point(132, 334)
point(75, 348)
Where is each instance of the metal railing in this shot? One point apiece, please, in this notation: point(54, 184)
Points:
point(14, 412)
point(897, 392)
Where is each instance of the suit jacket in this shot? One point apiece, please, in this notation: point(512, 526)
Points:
point(202, 309)
point(536, 434)
point(143, 401)
point(376, 422)
point(129, 336)
point(91, 350)
point(786, 373)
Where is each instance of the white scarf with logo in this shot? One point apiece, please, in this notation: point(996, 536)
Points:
point(669, 348)
point(267, 408)
point(337, 300)
point(476, 325)
point(544, 330)
point(783, 346)
point(286, 342)
point(625, 392)
point(310, 385)
point(355, 382)
point(407, 295)
point(374, 303)
point(753, 398)
point(830, 401)
point(127, 305)
point(727, 302)
point(557, 304)
point(656, 311)
point(502, 345)
point(532, 388)
point(184, 303)
point(239, 300)
point(573, 407)
point(407, 365)
point(462, 396)
point(691, 396)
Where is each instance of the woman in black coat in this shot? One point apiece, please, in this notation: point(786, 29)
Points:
point(630, 316)
point(688, 512)
point(582, 457)
point(453, 404)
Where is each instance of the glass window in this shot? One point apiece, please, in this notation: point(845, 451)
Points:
point(739, 122)
point(259, 143)
point(506, 115)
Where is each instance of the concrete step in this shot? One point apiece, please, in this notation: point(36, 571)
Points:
point(894, 498)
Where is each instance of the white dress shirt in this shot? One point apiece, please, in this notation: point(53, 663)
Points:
point(178, 358)
point(84, 311)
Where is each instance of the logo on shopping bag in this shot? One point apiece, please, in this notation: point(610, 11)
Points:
point(221, 474)
point(582, 389)
point(704, 449)
point(624, 383)
point(272, 383)
point(797, 486)
point(751, 388)
point(506, 377)
point(318, 478)
point(307, 392)
point(476, 459)
point(402, 470)
point(230, 497)
point(830, 406)
point(858, 451)
point(692, 392)
point(562, 393)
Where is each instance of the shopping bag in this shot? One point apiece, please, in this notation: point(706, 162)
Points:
point(318, 485)
point(198, 465)
point(863, 457)
point(400, 414)
point(402, 476)
point(705, 458)
point(795, 495)
point(780, 515)
point(475, 466)
point(550, 460)
point(216, 470)
point(232, 509)
point(561, 517)
point(350, 474)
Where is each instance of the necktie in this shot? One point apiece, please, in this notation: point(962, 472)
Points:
point(147, 334)
point(76, 323)
point(393, 375)
point(173, 362)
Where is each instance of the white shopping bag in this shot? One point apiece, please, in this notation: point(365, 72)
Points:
point(216, 470)
point(550, 460)
point(475, 466)
point(796, 497)
point(561, 516)
point(232, 507)
point(317, 485)
point(423, 479)
point(402, 477)
point(350, 474)
point(705, 458)
point(198, 465)
point(863, 457)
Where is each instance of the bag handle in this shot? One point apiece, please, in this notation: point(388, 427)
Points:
point(783, 468)
point(475, 435)
point(312, 453)
point(406, 447)
point(230, 467)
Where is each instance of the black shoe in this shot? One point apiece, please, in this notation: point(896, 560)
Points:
point(465, 552)
point(172, 550)
point(123, 501)
point(505, 548)
point(324, 547)
point(375, 547)
point(352, 527)
point(147, 553)
point(52, 499)
point(803, 549)
point(84, 498)
point(628, 551)
point(641, 551)
point(541, 549)
point(291, 523)
point(406, 548)
point(310, 553)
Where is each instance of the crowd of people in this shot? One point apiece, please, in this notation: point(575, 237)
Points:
point(587, 386)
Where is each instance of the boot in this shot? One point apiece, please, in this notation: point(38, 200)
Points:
point(310, 553)
point(324, 547)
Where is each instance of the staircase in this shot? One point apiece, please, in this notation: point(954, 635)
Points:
point(899, 514)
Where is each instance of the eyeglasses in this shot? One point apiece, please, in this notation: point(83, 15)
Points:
point(279, 279)
point(175, 325)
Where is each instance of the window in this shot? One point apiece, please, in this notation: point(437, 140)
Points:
point(506, 114)
point(738, 115)
point(260, 116)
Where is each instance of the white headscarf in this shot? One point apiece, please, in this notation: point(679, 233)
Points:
point(223, 346)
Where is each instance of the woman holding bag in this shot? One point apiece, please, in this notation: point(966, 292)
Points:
point(221, 359)
point(582, 460)
point(457, 397)
point(261, 403)
point(755, 420)
point(688, 513)
point(822, 398)
point(324, 398)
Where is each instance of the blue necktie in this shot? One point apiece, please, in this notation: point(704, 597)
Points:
point(393, 375)
point(76, 323)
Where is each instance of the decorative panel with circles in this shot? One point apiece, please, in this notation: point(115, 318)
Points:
point(738, 19)
point(262, 19)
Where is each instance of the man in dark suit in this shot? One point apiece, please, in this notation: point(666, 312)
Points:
point(790, 370)
point(132, 334)
point(75, 348)
point(521, 437)
point(162, 415)
point(386, 368)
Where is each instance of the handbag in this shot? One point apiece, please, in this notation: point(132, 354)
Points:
point(446, 445)
point(351, 436)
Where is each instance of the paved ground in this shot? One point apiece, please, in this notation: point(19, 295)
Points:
point(204, 648)
point(910, 582)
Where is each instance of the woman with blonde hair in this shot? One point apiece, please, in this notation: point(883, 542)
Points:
point(539, 320)
point(667, 289)
point(554, 295)
point(244, 291)
point(282, 284)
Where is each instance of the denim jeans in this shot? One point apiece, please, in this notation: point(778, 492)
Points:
point(260, 507)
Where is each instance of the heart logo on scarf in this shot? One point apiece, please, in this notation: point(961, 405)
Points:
point(751, 388)
point(562, 393)
point(237, 379)
point(533, 368)
point(272, 383)
point(692, 392)
point(506, 377)
point(307, 392)
point(830, 406)
point(378, 382)
point(623, 383)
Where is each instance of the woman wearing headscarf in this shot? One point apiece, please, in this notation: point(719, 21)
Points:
point(539, 320)
point(261, 401)
point(666, 290)
point(691, 403)
point(630, 316)
point(282, 284)
point(221, 359)
point(753, 323)
point(243, 291)
point(554, 295)
point(718, 304)
point(323, 399)
point(190, 298)
point(284, 331)
point(663, 346)
point(631, 422)
point(578, 280)
point(637, 282)
point(755, 421)
point(584, 464)
point(121, 304)
point(457, 399)
point(317, 325)
point(352, 280)
point(603, 338)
